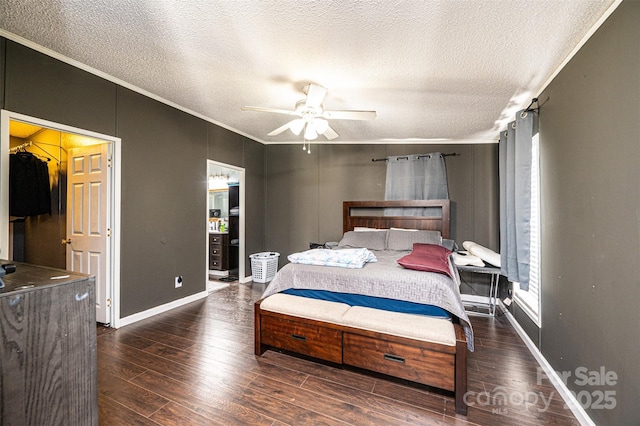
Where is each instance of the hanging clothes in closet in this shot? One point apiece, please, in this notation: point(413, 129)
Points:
point(29, 188)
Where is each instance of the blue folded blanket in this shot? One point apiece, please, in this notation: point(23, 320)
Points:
point(372, 302)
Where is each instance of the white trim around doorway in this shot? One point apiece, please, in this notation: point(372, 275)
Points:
point(115, 195)
point(242, 248)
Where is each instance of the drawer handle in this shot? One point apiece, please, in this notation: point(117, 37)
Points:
point(299, 337)
point(394, 358)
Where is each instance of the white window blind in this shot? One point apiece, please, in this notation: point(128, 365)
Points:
point(530, 300)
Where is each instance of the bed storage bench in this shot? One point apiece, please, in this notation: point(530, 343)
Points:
point(421, 349)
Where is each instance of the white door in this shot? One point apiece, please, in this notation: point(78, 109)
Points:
point(88, 220)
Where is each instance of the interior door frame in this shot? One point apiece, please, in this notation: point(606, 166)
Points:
point(114, 198)
point(242, 246)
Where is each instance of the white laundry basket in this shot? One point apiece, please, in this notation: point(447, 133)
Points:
point(264, 266)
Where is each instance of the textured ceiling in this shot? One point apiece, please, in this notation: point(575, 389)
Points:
point(441, 69)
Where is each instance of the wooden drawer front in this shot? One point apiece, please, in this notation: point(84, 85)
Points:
point(318, 342)
point(399, 360)
point(215, 250)
point(215, 262)
point(216, 239)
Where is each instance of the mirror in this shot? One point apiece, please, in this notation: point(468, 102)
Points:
point(219, 199)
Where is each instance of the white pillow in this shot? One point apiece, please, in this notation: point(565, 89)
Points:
point(463, 258)
point(483, 253)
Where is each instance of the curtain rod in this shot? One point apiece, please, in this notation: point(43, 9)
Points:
point(451, 154)
point(533, 101)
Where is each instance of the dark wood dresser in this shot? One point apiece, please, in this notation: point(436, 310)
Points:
point(48, 370)
point(218, 251)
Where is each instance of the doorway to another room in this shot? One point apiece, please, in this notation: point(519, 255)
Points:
point(225, 225)
point(73, 221)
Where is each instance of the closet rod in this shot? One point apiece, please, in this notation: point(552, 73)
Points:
point(451, 154)
point(19, 147)
point(37, 145)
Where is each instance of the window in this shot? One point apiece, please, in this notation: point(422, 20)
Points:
point(529, 301)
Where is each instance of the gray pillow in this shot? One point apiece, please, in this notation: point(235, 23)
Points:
point(372, 240)
point(399, 239)
point(449, 244)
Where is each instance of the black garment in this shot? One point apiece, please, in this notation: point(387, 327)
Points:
point(29, 188)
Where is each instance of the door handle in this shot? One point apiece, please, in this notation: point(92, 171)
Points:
point(68, 241)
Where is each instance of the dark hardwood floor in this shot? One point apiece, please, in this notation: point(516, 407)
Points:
point(195, 365)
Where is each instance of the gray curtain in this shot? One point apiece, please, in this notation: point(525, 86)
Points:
point(515, 197)
point(416, 177)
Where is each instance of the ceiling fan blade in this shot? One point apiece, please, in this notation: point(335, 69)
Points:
point(282, 128)
point(330, 133)
point(350, 115)
point(315, 96)
point(262, 109)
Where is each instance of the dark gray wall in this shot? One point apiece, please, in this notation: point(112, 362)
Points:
point(43, 87)
point(164, 153)
point(163, 207)
point(305, 191)
point(590, 156)
point(3, 46)
point(255, 199)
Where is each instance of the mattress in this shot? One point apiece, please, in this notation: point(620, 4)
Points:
point(383, 279)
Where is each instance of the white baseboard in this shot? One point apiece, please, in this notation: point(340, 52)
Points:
point(553, 377)
point(160, 309)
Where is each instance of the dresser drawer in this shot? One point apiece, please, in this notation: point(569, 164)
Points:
point(405, 361)
point(217, 239)
point(215, 262)
point(216, 250)
point(297, 336)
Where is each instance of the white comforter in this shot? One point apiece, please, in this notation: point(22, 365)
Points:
point(353, 258)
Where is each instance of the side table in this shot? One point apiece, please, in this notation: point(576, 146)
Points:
point(493, 289)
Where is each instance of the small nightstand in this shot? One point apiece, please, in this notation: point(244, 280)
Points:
point(493, 289)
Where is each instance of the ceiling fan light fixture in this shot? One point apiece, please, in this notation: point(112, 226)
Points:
point(313, 117)
point(310, 133)
point(321, 125)
point(296, 126)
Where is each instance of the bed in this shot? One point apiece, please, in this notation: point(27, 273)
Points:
point(405, 323)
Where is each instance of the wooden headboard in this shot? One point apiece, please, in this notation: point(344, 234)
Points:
point(440, 222)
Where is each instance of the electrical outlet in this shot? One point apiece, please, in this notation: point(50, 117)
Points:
point(178, 281)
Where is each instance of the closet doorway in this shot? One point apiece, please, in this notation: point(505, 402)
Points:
point(225, 205)
point(79, 232)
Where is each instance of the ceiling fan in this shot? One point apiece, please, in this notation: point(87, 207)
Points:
point(312, 117)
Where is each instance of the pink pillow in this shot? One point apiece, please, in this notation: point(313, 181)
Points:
point(427, 257)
